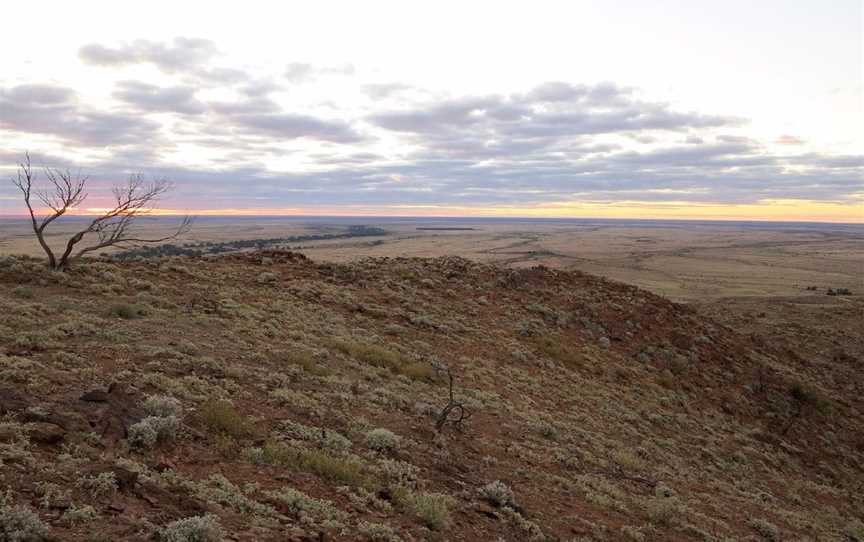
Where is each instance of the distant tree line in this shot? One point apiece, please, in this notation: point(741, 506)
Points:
point(217, 247)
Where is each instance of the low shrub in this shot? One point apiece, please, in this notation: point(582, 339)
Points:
point(152, 430)
point(125, 311)
point(382, 440)
point(192, 529)
point(344, 470)
point(499, 494)
point(20, 524)
point(220, 416)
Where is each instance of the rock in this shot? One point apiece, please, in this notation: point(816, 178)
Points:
point(125, 478)
point(46, 433)
point(486, 510)
point(95, 396)
point(604, 342)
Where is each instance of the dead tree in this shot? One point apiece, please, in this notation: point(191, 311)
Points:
point(454, 412)
point(113, 227)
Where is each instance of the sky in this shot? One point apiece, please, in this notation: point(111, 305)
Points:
point(626, 109)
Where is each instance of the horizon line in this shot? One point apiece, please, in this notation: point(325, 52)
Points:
point(26, 218)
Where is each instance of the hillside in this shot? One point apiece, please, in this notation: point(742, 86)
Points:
point(276, 398)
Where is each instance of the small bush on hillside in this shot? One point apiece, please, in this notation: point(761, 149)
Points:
point(152, 430)
point(376, 532)
point(768, 531)
point(854, 530)
point(22, 292)
point(433, 509)
point(560, 350)
point(192, 529)
point(20, 524)
point(267, 278)
point(382, 440)
point(102, 484)
point(304, 507)
point(306, 361)
point(368, 353)
point(77, 516)
point(221, 416)
point(498, 494)
point(125, 311)
point(345, 470)
point(162, 406)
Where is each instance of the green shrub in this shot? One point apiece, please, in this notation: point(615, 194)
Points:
point(498, 494)
point(76, 516)
point(344, 470)
point(221, 416)
point(368, 353)
point(306, 361)
point(22, 292)
point(125, 311)
point(382, 440)
point(433, 509)
point(376, 532)
point(163, 406)
point(102, 484)
point(152, 430)
point(559, 349)
point(192, 529)
point(20, 524)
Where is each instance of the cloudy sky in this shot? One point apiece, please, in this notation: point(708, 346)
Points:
point(689, 109)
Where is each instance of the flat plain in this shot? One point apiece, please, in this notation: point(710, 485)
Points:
point(684, 261)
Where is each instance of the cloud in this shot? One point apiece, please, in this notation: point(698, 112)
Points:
point(786, 139)
point(293, 126)
point(182, 54)
point(298, 72)
point(302, 72)
point(147, 97)
point(55, 111)
point(190, 57)
point(555, 142)
point(551, 111)
point(378, 91)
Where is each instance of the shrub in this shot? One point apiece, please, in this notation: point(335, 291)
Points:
point(433, 509)
point(75, 516)
point(22, 292)
point(20, 524)
point(768, 531)
point(399, 473)
point(376, 532)
point(267, 278)
point(337, 469)
point(162, 406)
point(104, 483)
point(306, 361)
point(192, 529)
point(368, 353)
point(854, 531)
point(302, 506)
point(152, 430)
point(418, 371)
point(498, 494)
point(559, 349)
point(382, 440)
point(322, 438)
point(663, 511)
point(221, 416)
point(125, 311)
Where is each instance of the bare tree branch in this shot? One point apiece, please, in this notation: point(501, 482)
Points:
point(132, 200)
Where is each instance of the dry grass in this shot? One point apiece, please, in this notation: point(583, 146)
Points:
point(674, 430)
